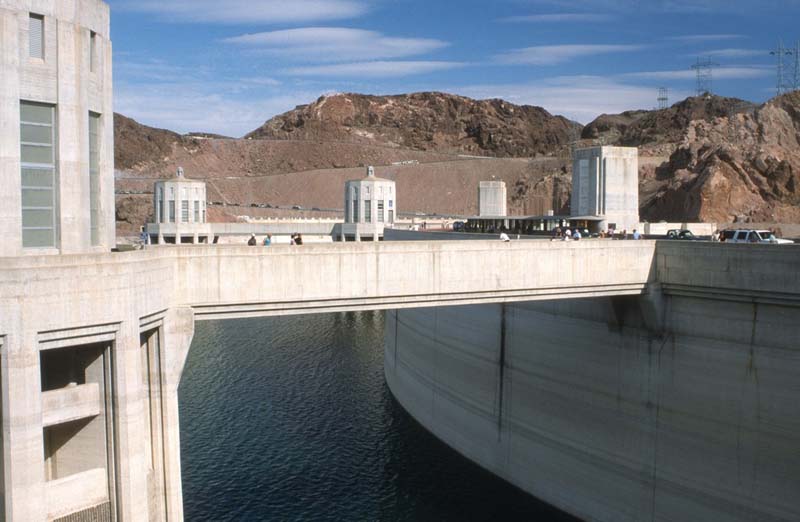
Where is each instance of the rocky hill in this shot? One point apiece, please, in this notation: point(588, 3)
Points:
point(740, 168)
point(429, 121)
point(707, 158)
point(661, 127)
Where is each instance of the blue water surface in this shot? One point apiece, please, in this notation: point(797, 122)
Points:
point(290, 419)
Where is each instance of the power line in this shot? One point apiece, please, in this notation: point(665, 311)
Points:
point(663, 98)
point(704, 70)
point(780, 53)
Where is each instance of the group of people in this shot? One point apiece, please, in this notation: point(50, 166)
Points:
point(296, 239)
point(566, 234)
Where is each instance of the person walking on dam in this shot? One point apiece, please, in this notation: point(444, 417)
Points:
point(267, 240)
point(252, 241)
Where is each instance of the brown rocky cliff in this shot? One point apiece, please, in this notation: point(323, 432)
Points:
point(425, 121)
point(745, 168)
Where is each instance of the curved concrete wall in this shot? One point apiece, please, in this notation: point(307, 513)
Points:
point(580, 404)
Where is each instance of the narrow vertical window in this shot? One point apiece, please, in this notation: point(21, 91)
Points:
point(185, 211)
point(196, 211)
point(36, 35)
point(94, 177)
point(355, 211)
point(380, 211)
point(92, 51)
point(161, 218)
point(38, 171)
point(367, 211)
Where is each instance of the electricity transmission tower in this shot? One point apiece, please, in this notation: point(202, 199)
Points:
point(796, 79)
point(704, 70)
point(783, 83)
point(663, 98)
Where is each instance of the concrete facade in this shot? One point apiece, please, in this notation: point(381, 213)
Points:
point(370, 205)
point(492, 199)
point(605, 183)
point(614, 409)
point(58, 105)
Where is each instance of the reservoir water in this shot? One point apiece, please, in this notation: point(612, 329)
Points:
point(290, 419)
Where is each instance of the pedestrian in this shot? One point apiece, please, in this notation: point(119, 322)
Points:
point(636, 234)
point(504, 237)
point(267, 240)
point(252, 241)
point(298, 239)
point(144, 238)
point(292, 239)
point(567, 235)
point(576, 235)
point(556, 234)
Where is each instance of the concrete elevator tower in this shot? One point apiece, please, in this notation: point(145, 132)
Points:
point(56, 128)
point(605, 187)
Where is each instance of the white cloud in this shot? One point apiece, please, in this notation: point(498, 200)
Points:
point(695, 38)
point(555, 54)
point(376, 69)
point(336, 44)
point(734, 53)
point(557, 18)
point(189, 107)
point(721, 73)
point(248, 11)
point(580, 98)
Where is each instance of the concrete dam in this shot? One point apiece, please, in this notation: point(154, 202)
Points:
point(680, 406)
point(616, 380)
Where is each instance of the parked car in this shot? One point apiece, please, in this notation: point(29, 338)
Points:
point(684, 234)
point(297, 207)
point(753, 236)
point(458, 226)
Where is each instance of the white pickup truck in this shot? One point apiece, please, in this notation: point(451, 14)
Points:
point(754, 236)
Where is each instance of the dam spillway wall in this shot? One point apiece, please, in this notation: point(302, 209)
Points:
point(593, 407)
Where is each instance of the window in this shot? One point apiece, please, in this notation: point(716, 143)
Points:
point(380, 211)
point(36, 36)
point(196, 211)
point(94, 178)
point(367, 211)
point(172, 211)
point(391, 217)
point(184, 210)
point(92, 51)
point(355, 211)
point(161, 218)
point(38, 171)
point(391, 204)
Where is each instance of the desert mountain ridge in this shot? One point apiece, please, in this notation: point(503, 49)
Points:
point(704, 158)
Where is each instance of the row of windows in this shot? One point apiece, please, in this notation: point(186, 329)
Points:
point(38, 144)
point(199, 213)
point(36, 41)
point(355, 206)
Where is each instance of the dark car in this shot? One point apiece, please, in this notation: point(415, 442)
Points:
point(685, 235)
point(458, 226)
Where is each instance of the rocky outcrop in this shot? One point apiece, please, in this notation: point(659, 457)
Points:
point(741, 168)
point(664, 126)
point(425, 121)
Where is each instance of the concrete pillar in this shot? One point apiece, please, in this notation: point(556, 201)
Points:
point(10, 180)
point(23, 456)
point(178, 334)
point(73, 147)
point(131, 437)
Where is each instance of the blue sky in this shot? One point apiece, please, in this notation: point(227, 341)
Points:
point(226, 66)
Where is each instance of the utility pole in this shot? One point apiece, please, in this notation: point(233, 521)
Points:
point(704, 70)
